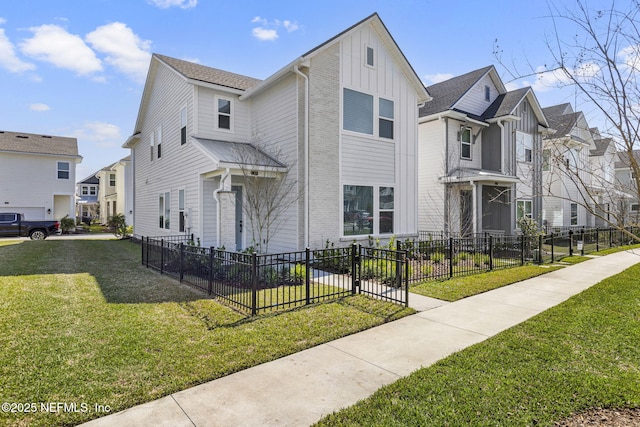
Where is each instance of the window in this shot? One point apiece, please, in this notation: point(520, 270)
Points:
point(385, 123)
point(224, 114)
point(465, 143)
point(362, 215)
point(525, 106)
point(487, 93)
point(181, 225)
point(358, 112)
point(385, 215)
point(634, 207)
point(546, 160)
point(112, 179)
point(92, 191)
point(370, 56)
point(183, 126)
point(574, 214)
point(63, 170)
point(152, 143)
point(85, 190)
point(524, 147)
point(159, 142)
point(524, 209)
point(164, 210)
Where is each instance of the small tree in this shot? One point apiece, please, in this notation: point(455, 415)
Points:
point(118, 226)
point(67, 224)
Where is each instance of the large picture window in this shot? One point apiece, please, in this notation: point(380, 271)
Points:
point(358, 112)
point(365, 215)
point(524, 209)
point(524, 147)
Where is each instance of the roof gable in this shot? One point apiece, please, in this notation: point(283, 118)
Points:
point(29, 143)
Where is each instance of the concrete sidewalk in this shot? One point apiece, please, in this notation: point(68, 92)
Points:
point(299, 389)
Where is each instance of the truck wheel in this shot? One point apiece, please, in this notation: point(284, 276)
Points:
point(37, 235)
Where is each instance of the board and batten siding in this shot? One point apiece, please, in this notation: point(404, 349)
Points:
point(432, 163)
point(368, 159)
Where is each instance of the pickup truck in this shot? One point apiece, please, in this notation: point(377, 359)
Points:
point(14, 225)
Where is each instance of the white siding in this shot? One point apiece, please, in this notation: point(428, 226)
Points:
point(474, 100)
point(432, 163)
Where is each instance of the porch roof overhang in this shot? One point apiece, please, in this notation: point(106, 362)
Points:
point(479, 176)
point(239, 158)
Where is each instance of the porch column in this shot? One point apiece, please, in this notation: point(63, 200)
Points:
point(227, 219)
point(474, 197)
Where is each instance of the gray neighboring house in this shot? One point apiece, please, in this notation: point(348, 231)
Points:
point(339, 123)
point(628, 205)
point(87, 205)
point(38, 173)
point(479, 156)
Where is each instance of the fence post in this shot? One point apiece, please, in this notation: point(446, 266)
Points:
point(398, 265)
point(254, 284)
point(522, 249)
point(490, 252)
point(355, 270)
point(582, 239)
point(552, 251)
point(570, 242)
point(450, 257)
point(161, 256)
point(597, 239)
point(210, 284)
point(181, 261)
point(142, 248)
point(307, 284)
point(610, 237)
point(146, 260)
point(540, 260)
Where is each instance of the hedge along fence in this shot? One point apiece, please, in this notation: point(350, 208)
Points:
point(258, 283)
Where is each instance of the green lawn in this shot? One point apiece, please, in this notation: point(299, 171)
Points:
point(581, 354)
point(461, 287)
point(82, 322)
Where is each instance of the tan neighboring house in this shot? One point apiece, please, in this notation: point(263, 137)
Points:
point(38, 175)
point(114, 191)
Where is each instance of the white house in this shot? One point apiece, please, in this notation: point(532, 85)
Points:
point(336, 127)
point(38, 173)
point(480, 150)
point(115, 190)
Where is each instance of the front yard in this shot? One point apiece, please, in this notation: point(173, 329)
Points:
point(83, 324)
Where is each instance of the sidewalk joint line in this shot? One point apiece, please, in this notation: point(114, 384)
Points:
point(183, 411)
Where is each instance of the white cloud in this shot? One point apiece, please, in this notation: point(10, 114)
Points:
point(438, 77)
point(8, 58)
point(165, 4)
point(268, 30)
point(103, 135)
point(2, 20)
point(53, 44)
point(124, 49)
point(264, 34)
point(630, 56)
point(39, 107)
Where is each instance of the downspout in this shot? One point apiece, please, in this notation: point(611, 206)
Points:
point(446, 173)
point(306, 153)
point(223, 178)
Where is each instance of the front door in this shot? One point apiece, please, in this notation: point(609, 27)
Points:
point(239, 226)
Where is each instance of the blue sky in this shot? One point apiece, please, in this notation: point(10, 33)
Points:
point(77, 67)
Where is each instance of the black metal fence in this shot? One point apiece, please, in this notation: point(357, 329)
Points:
point(258, 283)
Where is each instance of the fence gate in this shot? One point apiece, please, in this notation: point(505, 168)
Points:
point(381, 273)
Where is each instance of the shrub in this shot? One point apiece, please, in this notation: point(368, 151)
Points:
point(67, 224)
point(438, 257)
point(298, 273)
point(480, 260)
point(425, 270)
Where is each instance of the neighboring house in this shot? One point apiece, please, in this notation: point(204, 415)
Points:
point(567, 171)
point(606, 193)
point(480, 163)
point(87, 205)
point(115, 195)
point(338, 125)
point(628, 204)
point(38, 173)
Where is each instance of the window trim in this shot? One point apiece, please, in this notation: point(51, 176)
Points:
point(526, 213)
point(521, 153)
point(63, 171)
point(463, 130)
point(375, 116)
point(382, 118)
point(573, 219)
point(375, 213)
point(181, 210)
point(183, 117)
point(368, 48)
point(164, 210)
point(217, 100)
point(112, 179)
point(487, 93)
point(159, 141)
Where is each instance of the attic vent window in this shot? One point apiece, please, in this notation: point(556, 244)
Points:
point(487, 93)
point(22, 136)
point(370, 56)
point(46, 136)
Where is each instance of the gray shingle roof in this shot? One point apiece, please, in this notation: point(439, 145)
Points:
point(505, 103)
point(445, 94)
point(601, 146)
point(208, 74)
point(22, 142)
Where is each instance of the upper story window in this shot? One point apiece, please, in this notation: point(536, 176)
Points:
point(359, 111)
point(112, 179)
point(63, 170)
point(183, 126)
point(224, 113)
point(524, 147)
point(370, 56)
point(487, 93)
point(465, 143)
point(525, 106)
point(159, 142)
point(152, 143)
point(546, 160)
point(85, 190)
point(385, 123)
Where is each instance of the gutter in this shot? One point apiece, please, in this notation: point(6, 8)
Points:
point(296, 70)
point(223, 178)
